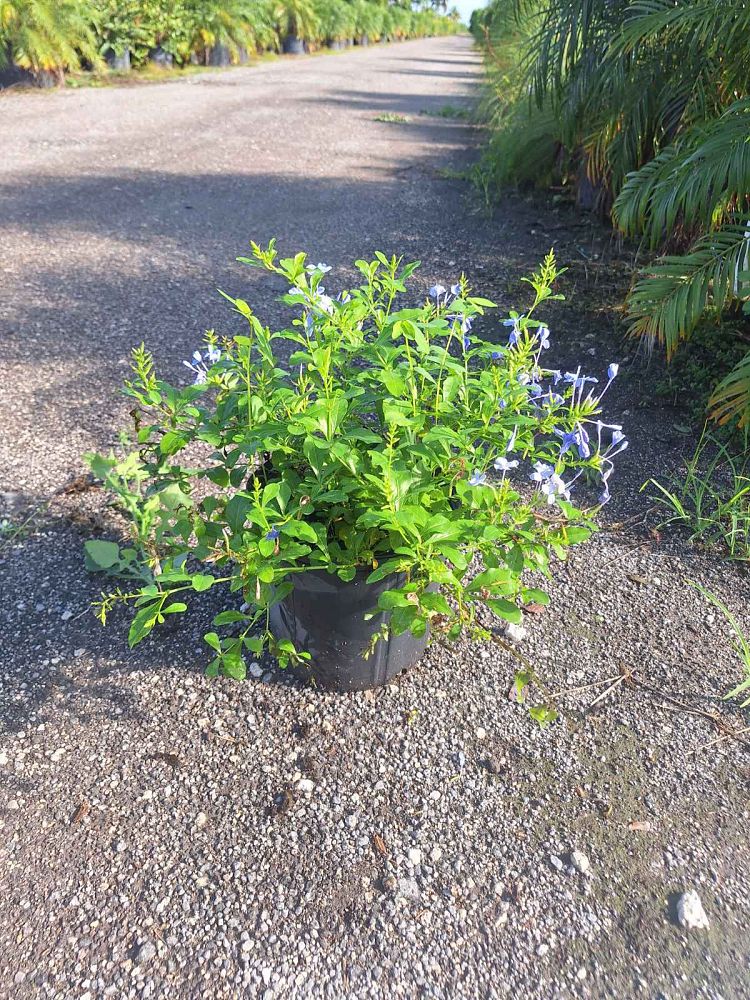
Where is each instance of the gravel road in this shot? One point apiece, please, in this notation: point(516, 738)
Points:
point(162, 835)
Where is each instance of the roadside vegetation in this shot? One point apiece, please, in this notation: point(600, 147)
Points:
point(642, 110)
point(639, 110)
point(40, 40)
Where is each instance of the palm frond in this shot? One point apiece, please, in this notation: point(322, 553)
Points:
point(731, 398)
point(671, 295)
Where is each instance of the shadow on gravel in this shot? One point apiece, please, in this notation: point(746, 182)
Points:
point(434, 126)
point(60, 653)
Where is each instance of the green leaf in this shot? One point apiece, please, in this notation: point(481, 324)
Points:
point(300, 530)
point(142, 624)
point(101, 554)
point(435, 602)
point(228, 618)
point(393, 599)
point(504, 609)
point(202, 581)
point(236, 512)
point(535, 597)
point(454, 555)
point(172, 442)
point(543, 714)
point(177, 607)
point(213, 640)
point(574, 534)
point(232, 665)
point(173, 497)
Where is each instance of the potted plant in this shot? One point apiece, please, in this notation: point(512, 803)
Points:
point(336, 21)
point(297, 24)
point(368, 19)
point(44, 38)
point(395, 476)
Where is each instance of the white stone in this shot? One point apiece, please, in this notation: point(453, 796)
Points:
point(580, 862)
point(415, 856)
point(200, 820)
point(542, 950)
point(305, 785)
point(690, 912)
point(436, 854)
point(255, 670)
point(516, 633)
point(480, 733)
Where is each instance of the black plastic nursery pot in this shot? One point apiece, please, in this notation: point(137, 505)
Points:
point(220, 55)
point(293, 46)
point(335, 44)
point(326, 617)
point(159, 57)
point(118, 61)
point(362, 40)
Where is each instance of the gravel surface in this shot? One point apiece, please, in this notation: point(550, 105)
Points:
point(162, 835)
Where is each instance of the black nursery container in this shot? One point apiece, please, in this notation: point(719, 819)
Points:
point(119, 61)
point(293, 46)
point(220, 55)
point(326, 617)
point(159, 57)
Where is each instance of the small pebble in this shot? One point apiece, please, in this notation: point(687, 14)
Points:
point(146, 952)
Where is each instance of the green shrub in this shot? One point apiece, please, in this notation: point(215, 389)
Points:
point(47, 36)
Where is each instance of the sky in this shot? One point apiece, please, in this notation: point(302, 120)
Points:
point(465, 7)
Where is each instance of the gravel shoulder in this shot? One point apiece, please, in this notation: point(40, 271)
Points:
point(163, 835)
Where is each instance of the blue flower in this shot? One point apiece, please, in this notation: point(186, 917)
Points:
point(543, 334)
point(515, 333)
point(455, 290)
point(319, 268)
point(478, 478)
point(272, 535)
point(612, 371)
point(553, 487)
point(436, 291)
point(497, 355)
point(503, 465)
point(542, 472)
point(552, 399)
point(577, 380)
point(199, 369)
point(512, 439)
point(467, 343)
point(213, 354)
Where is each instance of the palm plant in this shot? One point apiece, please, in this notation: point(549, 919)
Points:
point(652, 97)
point(336, 19)
point(120, 27)
point(47, 36)
point(297, 19)
point(220, 23)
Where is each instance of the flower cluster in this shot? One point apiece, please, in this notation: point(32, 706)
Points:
point(201, 363)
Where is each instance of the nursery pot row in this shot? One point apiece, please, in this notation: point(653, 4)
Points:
point(326, 616)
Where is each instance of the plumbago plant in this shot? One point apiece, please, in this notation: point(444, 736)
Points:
point(394, 439)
